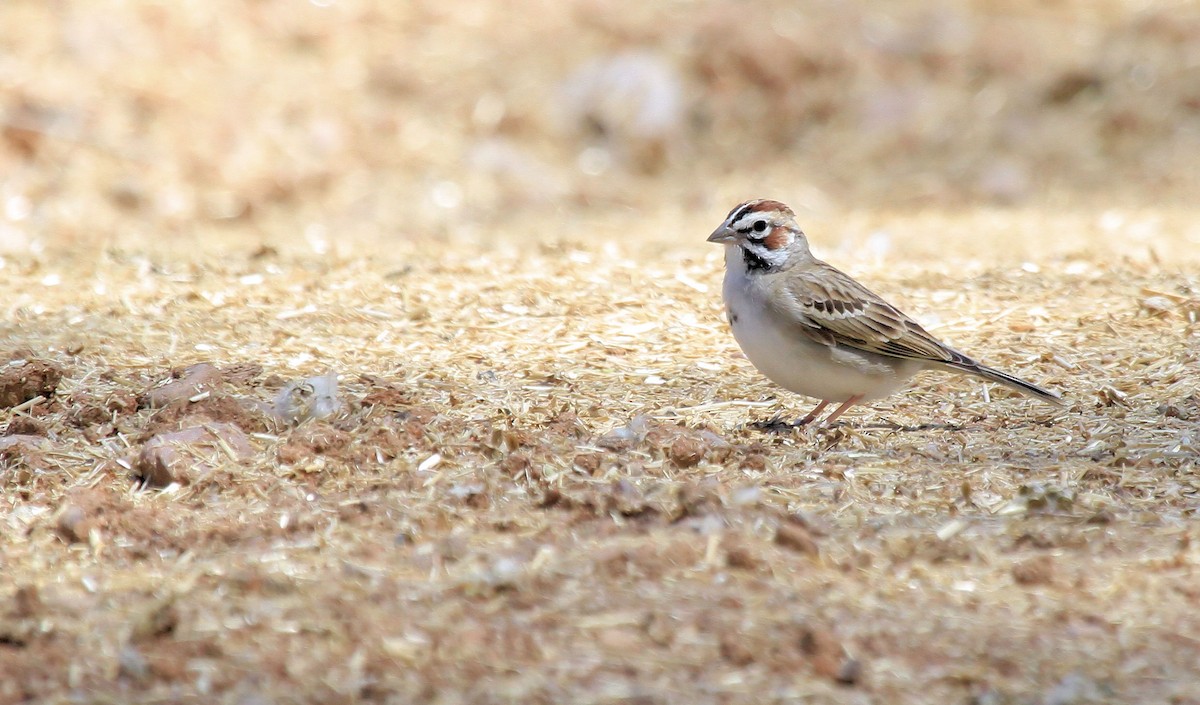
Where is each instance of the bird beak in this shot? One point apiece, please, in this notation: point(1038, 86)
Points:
point(722, 235)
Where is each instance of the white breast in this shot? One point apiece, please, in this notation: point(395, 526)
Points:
point(794, 361)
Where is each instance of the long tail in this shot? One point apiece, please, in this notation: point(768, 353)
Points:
point(1009, 381)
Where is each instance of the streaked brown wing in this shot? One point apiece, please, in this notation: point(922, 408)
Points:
point(832, 308)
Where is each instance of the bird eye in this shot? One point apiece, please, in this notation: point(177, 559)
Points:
point(760, 225)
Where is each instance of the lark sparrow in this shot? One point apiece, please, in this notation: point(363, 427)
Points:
point(813, 330)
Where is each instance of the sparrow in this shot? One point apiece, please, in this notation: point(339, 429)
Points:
point(814, 330)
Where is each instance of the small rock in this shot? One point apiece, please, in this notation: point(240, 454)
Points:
point(22, 380)
point(184, 384)
point(687, 452)
point(624, 437)
point(72, 524)
point(175, 456)
point(742, 558)
point(735, 651)
point(88, 410)
point(21, 441)
point(218, 406)
point(25, 426)
point(515, 464)
point(796, 538)
point(754, 462)
point(826, 653)
point(719, 449)
point(27, 602)
point(307, 399)
point(588, 462)
point(850, 673)
point(1038, 570)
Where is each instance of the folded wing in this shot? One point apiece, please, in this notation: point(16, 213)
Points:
point(833, 309)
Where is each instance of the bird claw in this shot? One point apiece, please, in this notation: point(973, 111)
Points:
point(776, 424)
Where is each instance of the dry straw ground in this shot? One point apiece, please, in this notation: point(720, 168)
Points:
point(543, 482)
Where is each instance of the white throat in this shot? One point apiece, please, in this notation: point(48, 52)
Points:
point(751, 258)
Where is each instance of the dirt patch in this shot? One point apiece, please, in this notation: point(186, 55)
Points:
point(527, 513)
point(244, 414)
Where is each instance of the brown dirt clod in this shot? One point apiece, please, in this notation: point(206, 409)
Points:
point(179, 456)
point(687, 451)
point(72, 523)
point(22, 380)
point(183, 385)
point(26, 426)
point(1038, 570)
point(796, 538)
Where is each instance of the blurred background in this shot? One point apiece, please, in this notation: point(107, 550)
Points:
point(318, 124)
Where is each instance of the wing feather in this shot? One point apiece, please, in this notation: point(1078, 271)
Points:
point(833, 309)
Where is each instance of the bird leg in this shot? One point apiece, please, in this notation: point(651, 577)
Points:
point(812, 414)
point(840, 410)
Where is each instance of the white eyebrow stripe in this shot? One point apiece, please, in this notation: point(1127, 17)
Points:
point(740, 213)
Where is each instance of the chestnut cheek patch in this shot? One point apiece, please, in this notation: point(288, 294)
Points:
point(778, 239)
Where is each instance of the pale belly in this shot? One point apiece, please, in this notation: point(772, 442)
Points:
point(800, 365)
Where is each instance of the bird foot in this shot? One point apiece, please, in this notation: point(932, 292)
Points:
point(777, 425)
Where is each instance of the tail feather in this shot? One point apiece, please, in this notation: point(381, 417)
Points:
point(1014, 382)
